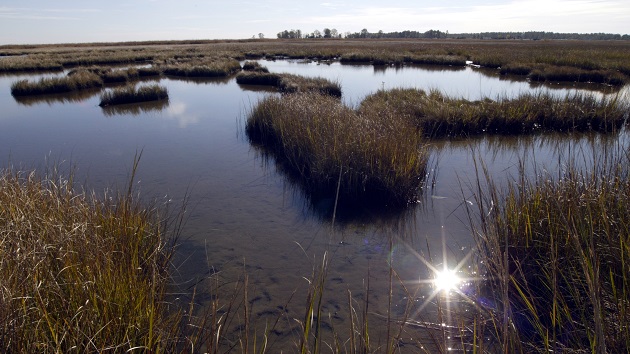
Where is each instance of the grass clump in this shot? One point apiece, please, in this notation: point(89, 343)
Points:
point(295, 83)
point(211, 69)
point(80, 80)
point(438, 115)
point(133, 94)
point(556, 251)
point(331, 147)
point(258, 78)
point(255, 66)
point(78, 273)
point(289, 83)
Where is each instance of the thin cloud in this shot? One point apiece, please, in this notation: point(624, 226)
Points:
point(25, 13)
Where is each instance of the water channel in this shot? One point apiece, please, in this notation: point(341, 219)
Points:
point(243, 215)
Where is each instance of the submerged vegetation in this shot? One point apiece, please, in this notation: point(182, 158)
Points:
point(133, 94)
point(556, 252)
point(79, 272)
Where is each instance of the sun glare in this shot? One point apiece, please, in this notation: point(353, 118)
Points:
point(446, 280)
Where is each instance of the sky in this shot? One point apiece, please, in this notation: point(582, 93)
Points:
point(74, 21)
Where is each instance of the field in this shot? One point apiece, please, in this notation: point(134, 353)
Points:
point(595, 61)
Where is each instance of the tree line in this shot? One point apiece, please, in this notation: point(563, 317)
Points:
point(529, 35)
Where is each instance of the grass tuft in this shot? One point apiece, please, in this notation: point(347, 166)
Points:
point(372, 157)
point(78, 273)
point(556, 251)
point(80, 80)
point(212, 69)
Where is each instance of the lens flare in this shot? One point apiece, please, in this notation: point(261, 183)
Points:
point(446, 280)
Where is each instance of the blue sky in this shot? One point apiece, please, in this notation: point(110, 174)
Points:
point(59, 21)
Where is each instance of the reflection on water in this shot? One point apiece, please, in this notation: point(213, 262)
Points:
point(135, 109)
point(56, 98)
point(327, 207)
point(202, 80)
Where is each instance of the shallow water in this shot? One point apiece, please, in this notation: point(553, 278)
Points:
point(243, 213)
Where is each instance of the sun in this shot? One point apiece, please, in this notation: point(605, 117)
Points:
point(446, 280)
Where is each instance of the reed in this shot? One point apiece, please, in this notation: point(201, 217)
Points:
point(212, 69)
point(296, 83)
point(78, 81)
point(379, 158)
point(289, 83)
point(255, 66)
point(570, 74)
point(81, 273)
point(117, 76)
point(148, 72)
point(555, 252)
point(609, 57)
point(438, 115)
point(258, 78)
point(133, 94)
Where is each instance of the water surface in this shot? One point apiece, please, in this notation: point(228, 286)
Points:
point(244, 215)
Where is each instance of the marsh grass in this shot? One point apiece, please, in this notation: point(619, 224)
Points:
point(438, 115)
point(133, 94)
point(220, 68)
point(366, 157)
point(296, 83)
point(255, 66)
point(554, 73)
point(258, 78)
point(289, 83)
point(555, 250)
point(80, 272)
point(592, 61)
point(80, 80)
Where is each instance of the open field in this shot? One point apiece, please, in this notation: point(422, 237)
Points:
point(599, 61)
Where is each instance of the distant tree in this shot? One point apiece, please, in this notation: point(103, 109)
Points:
point(290, 34)
point(261, 36)
point(326, 32)
point(317, 34)
point(364, 33)
point(334, 33)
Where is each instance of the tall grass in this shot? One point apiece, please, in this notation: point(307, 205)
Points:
point(366, 157)
point(79, 81)
point(438, 115)
point(555, 250)
point(211, 69)
point(79, 273)
point(608, 57)
point(133, 94)
point(289, 83)
point(254, 66)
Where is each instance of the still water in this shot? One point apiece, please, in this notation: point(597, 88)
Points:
point(243, 215)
